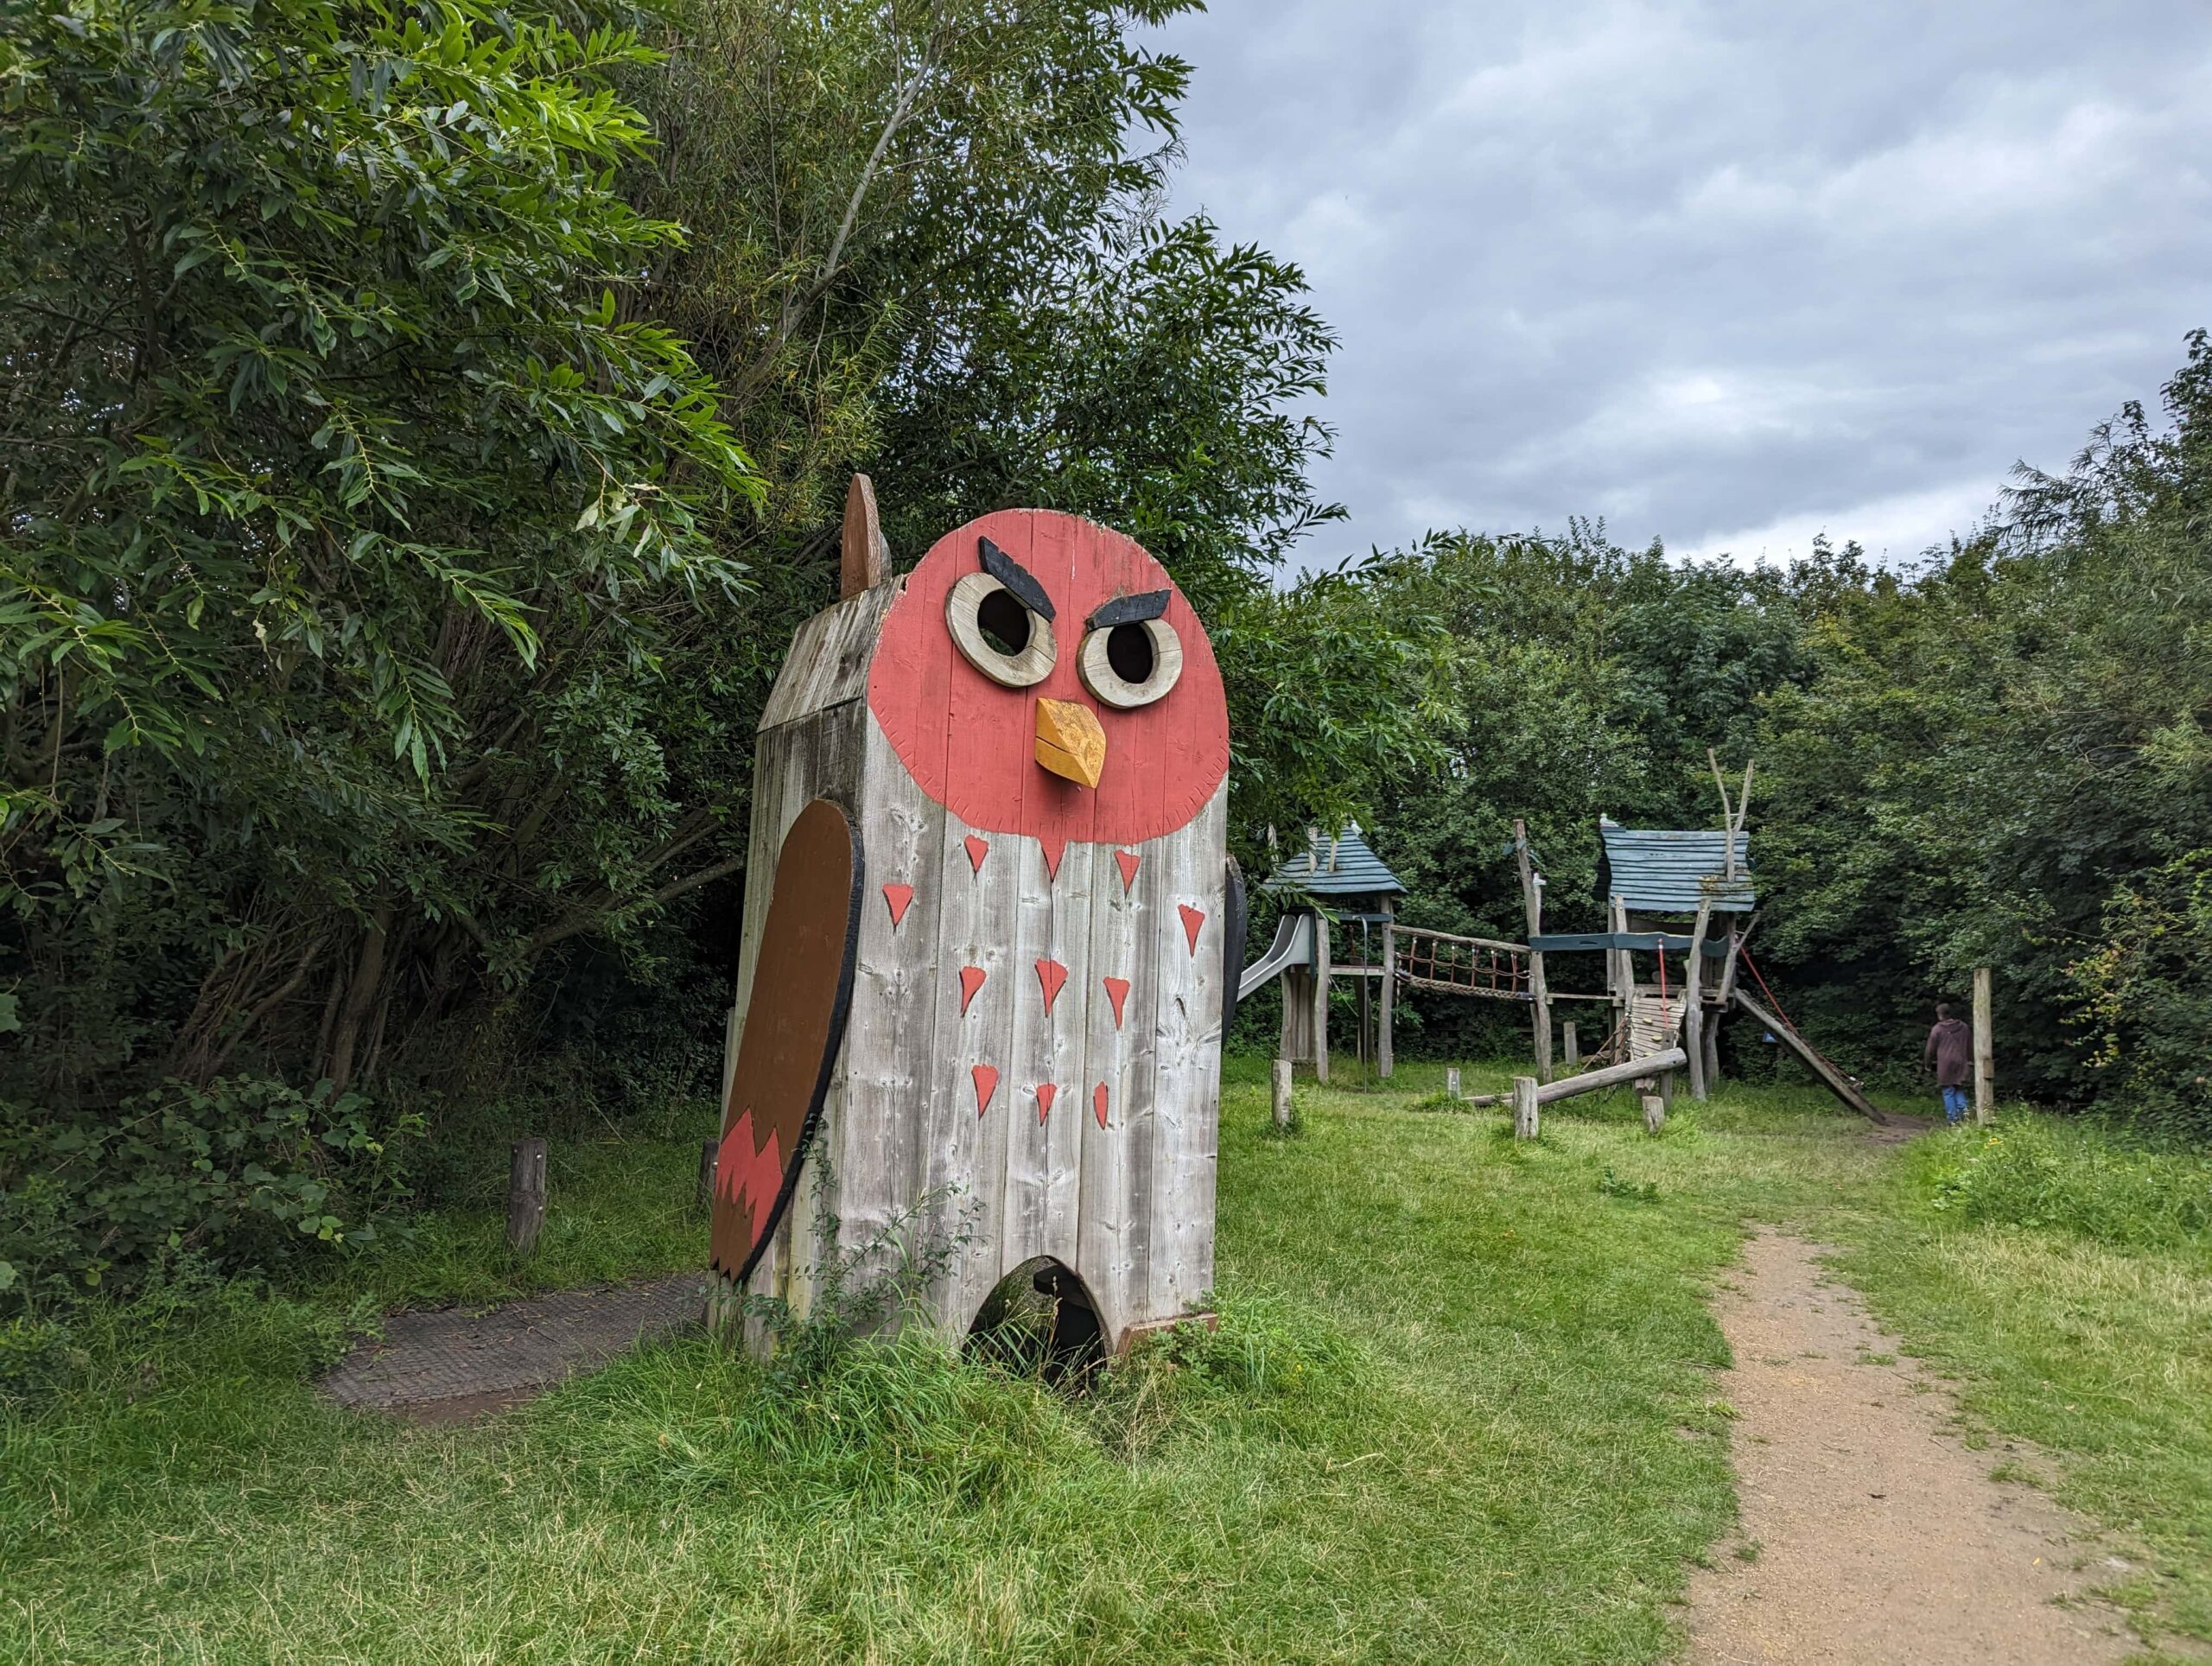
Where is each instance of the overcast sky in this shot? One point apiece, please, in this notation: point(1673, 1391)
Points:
point(1727, 274)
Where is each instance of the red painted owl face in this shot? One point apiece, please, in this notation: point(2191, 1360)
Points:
point(1043, 676)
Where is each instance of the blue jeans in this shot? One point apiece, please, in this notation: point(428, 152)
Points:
point(1954, 1104)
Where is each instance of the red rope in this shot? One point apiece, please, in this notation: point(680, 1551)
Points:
point(1771, 999)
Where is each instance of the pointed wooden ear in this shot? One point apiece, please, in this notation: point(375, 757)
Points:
point(862, 555)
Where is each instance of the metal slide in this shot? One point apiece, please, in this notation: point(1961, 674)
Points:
point(1832, 1078)
point(1294, 946)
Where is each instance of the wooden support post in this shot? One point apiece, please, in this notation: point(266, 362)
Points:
point(1712, 1051)
point(1321, 998)
point(1525, 1108)
point(1621, 978)
point(1296, 1041)
point(1694, 1002)
point(1282, 1085)
point(1383, 1059)
point(1452, 1081)
point(1532, 904)
point(1655, 1113)
point(1985, 1051)
point(1574, 1045)
point(710, 1153)
point(525, 1195)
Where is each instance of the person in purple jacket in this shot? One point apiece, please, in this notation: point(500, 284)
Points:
point(1950, 1052)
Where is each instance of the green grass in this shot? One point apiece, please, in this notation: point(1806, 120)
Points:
point(1461, 1408)
point(2100, 1351)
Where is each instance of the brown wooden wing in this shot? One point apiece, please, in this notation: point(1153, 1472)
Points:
point(794, 1024)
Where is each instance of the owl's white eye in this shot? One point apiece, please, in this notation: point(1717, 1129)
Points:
point(999, 633)
point(1131, 664)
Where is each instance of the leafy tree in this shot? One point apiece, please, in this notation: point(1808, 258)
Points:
point(330, 464)
point(2003, 762)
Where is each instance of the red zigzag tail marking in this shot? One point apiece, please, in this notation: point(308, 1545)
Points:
point(748, 1176)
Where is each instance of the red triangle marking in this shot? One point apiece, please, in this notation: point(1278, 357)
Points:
point(1117, 991)
point(987, 1083)
point(897, 896)
point(1192, 919)
point(971, 979)
point(1045, 1097)
point(1098, 1103)
point(977, 849)
point(1126, 861)
point(1056, 846)
point(1051, 975)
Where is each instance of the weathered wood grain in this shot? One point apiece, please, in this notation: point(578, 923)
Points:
point(526, 1194)
point(1612, 1076)
point(1693, 1003)
point(1985, 1049)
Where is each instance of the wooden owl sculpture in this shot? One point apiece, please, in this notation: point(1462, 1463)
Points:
point(992, 935)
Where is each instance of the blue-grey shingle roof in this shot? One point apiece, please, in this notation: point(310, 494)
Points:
point(1345, 867)
point(1668, 872)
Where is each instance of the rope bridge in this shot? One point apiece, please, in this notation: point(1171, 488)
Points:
point(1462, 965)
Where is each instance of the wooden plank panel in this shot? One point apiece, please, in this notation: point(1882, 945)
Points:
point(829, 658)
point(1187, 1083)
point(1121, 928)
point(1834, 1079)
point(889, 1036)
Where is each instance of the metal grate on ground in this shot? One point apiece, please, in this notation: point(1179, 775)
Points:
point(479, 1357)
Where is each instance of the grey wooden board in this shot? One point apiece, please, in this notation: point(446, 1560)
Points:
point(829, 661)
point(1610, 1076)
point(1832, 1078)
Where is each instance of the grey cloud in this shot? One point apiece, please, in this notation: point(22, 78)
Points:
point(1726, 274)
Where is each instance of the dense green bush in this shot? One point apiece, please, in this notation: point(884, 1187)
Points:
point(2146, 999)
point(244, 1170)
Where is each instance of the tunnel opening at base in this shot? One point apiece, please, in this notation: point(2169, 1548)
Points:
point(1039, 1320)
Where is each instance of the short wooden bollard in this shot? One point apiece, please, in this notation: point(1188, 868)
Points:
point(1525, 1108)
point(1655, 1113)
point(1283, 1094)
point(1574, 1045)
point(525, 1195)
point(1451, 1083)
point(709, 1156)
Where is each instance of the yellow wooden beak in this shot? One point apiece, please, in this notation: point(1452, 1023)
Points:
point(1069, 742)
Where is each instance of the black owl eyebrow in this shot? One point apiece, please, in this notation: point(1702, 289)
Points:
point(1129, 610)
point(1017, 578)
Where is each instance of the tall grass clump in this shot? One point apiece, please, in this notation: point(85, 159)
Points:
point(906, 1423)
point(2071, 1177)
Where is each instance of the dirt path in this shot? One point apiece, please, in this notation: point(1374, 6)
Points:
point(1878, 1536)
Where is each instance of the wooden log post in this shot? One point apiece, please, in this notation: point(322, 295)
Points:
point(1281, 1083)
point(1985, 1051)
point(1532, 904)
point(710, 1157)
point(1452, 1081)
point(1655, 1113)
point(1321, 998)
point(1573, 1043)
point(1694, 1002)
point(525, 1195)
point(1525, 1108)
point(1612, 1075)
point(1621, 969)
point(1383, 1059)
